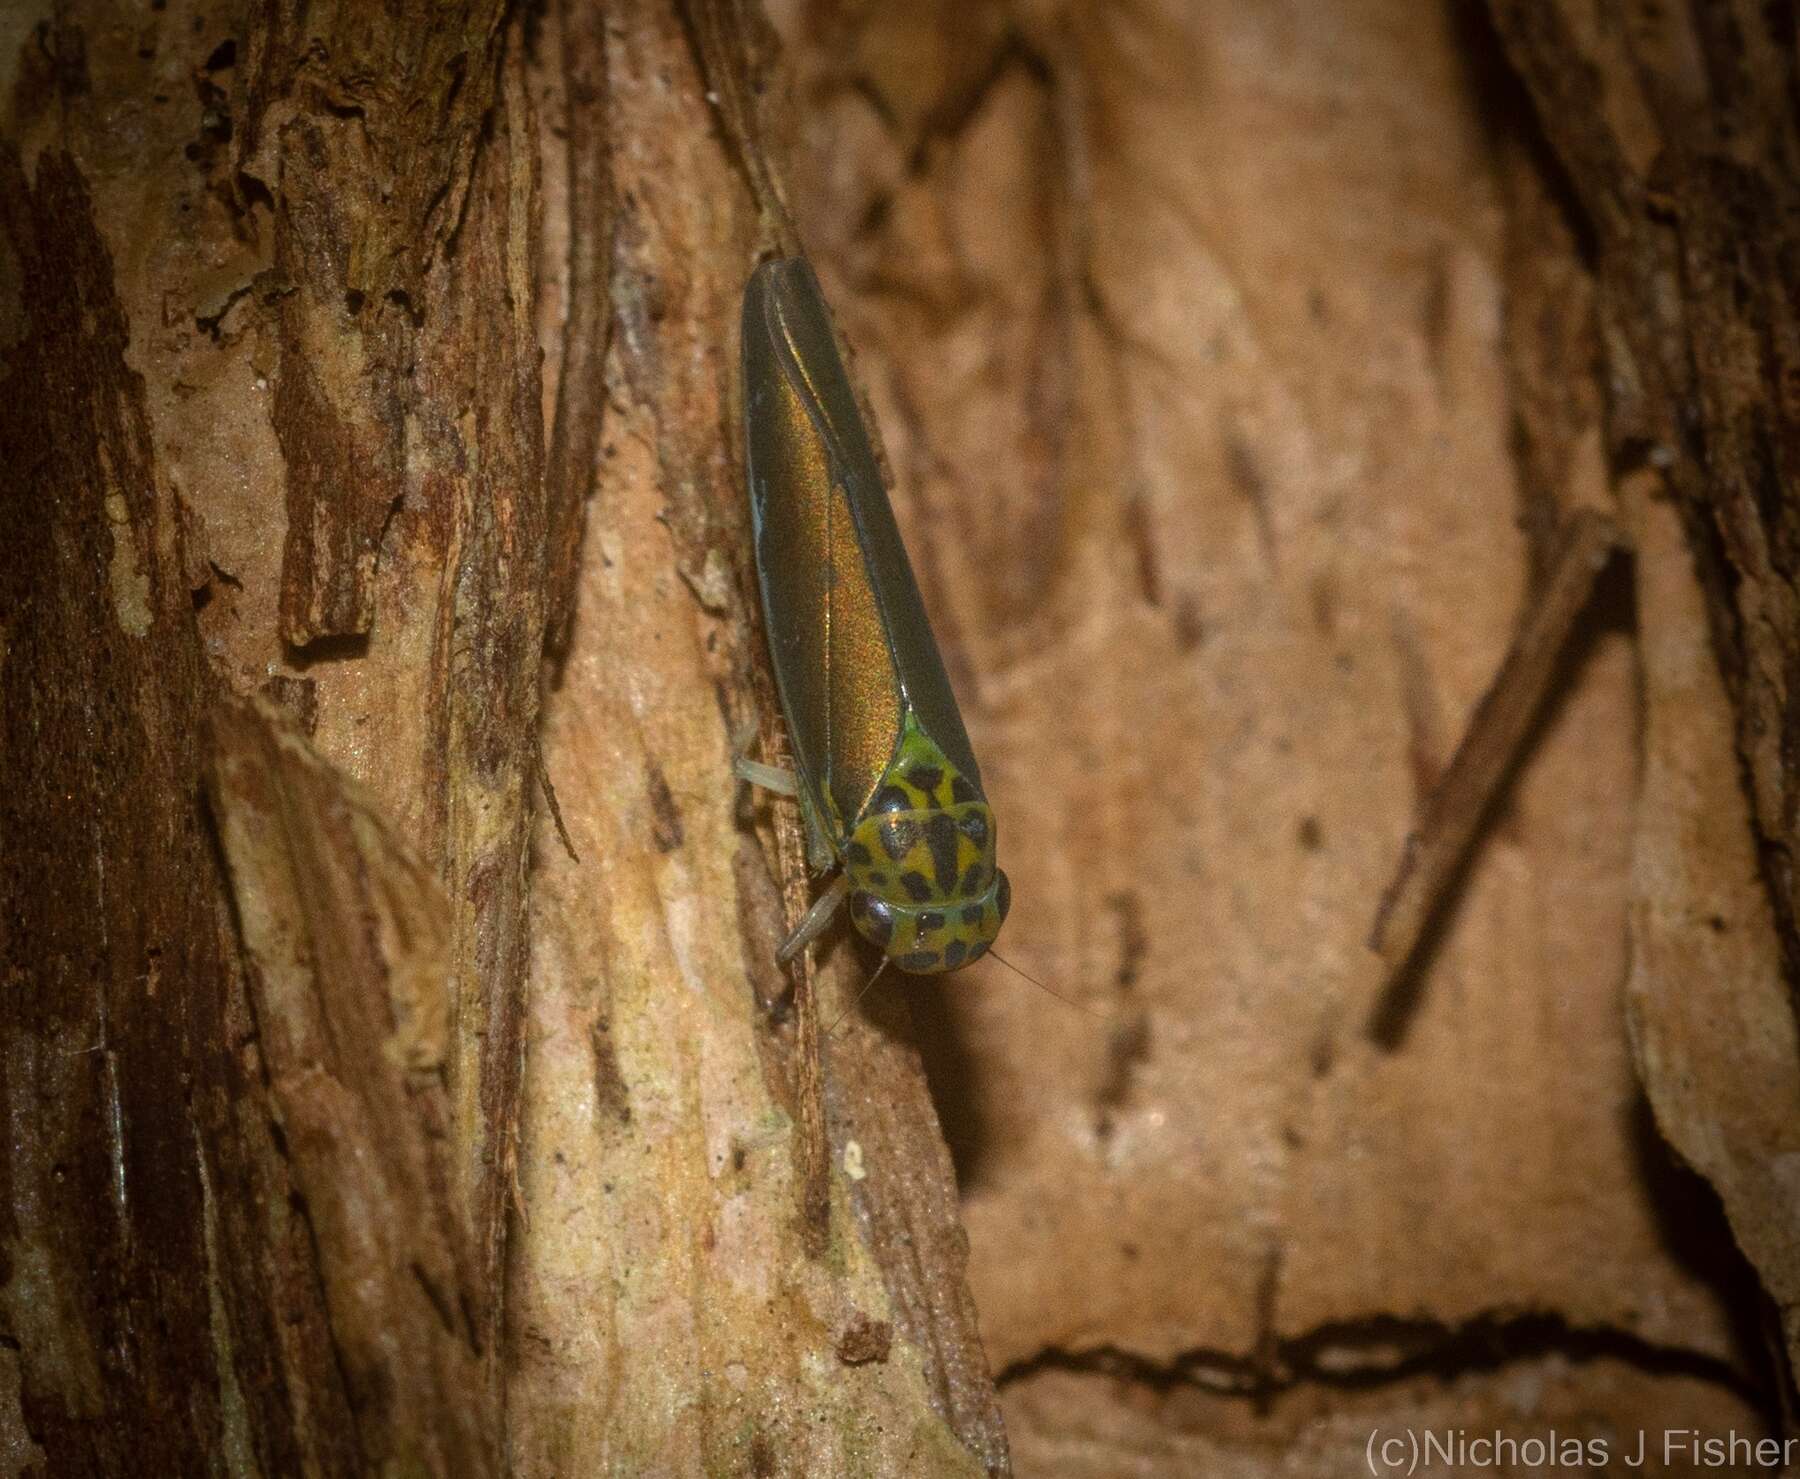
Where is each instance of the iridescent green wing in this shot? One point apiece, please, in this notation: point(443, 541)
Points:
point(852, 648)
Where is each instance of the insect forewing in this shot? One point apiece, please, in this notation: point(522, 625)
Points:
point(847, 628)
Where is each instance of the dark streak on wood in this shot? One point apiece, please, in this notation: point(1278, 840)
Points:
point(572, 471)
point(1247, 476)
point(144, 1161)
point(1134, 940)
point(360, 122)
point(1141, 535)
point(1127, 1046)
point(554, 806)
point(612, 1097)
point(114, 984)
point(665, 816)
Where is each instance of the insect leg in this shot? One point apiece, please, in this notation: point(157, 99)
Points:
point(816, 919)
point(820, 854)
point(776, 778)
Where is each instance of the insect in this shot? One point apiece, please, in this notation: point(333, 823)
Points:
point(887, 784)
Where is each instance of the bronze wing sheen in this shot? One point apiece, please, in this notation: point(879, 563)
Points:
point(848, 634)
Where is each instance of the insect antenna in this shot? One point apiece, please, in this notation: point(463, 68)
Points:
point(831, 1031)
point(1066, 1001)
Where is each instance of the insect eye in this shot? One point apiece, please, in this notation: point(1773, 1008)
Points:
point(1002, 892)
point(873, 918)
point(891, 798)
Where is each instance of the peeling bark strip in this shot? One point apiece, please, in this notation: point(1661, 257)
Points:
point(361, 122)
point(1677, 127)
point(1711, 1023)
point(1700, 322)
point(907, 1213)
point(348, 939)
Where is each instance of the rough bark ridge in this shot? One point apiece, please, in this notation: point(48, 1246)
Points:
point(290, 554)
point(676, 1159)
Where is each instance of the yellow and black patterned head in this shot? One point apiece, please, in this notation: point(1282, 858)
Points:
point(925, 890)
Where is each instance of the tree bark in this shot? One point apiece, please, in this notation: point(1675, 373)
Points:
point(397, 1069)
point(1677, 133)
point(289, 555)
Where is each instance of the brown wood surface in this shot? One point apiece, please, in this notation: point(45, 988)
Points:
point(1253, 380)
